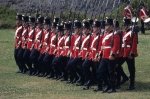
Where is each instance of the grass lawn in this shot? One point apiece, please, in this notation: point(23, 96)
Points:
point(16, 86)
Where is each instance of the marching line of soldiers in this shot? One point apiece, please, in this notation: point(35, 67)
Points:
point(92, 54)
point(85, 53)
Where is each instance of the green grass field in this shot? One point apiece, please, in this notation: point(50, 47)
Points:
point(20, 86)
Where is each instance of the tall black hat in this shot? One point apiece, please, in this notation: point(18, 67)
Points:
point(77, 24)
point(67, 25)
point(18, 17)
point(97, 23)
point(60, 27)
point(56, 20)
point(40, 20)
point(25, 18)
point(32, 19)
point(127, 22)
point(109, 22)
point(47, 20)
point(86, 24)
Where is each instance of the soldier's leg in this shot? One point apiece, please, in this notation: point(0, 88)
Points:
point(131, 67)
point(86, 70)
point(142, 27)
point(112, 76)
point(102, 74)
point(41, 65)
point(22, 61)
point(65, 74)
point(17, 60)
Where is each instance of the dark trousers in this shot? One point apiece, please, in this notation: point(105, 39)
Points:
point(41, 65)
point(87, 73)
point(47, 62)
point(74, 67)
point(21, 59)
point(131, 68)
point(34, 59)
point(16, 51)
point(106, 73)
point(26, 57)
point(142, 27)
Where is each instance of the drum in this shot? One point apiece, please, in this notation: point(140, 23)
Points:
point(135, 19)
point(147, 20)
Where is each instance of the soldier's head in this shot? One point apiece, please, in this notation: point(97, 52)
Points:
point(67, 27)
point(47, 22)
point(109, 25)
point(18, 19)
point(96, 26)
point(56, 20)
point(116, 24)
point(127, 24)
point(25, 20)
point(77, 27)
point(32, 21)
point(86, 27)
point(40, 21)
point(53, 27)
point(60, 29)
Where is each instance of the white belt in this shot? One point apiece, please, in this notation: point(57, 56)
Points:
point(77, 47)
point(53, 45)
point(66, 47)
point(106, 47)
point(60, 47)
point(94, 49)
point(126, 45)
point(37, 40)
point(30, 40)
point(84, 48)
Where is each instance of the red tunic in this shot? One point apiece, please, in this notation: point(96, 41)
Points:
point(24, 38)
point(67, 45)
point(143, 14)
point(60, 45)
point(85, 47)
point(52, 44)
point(76, 42)
point(110, 45)
point(18, 35)
point(127, 13)
point(45, 40)
point(129, 44)
point(95, 46)
point(38, 39)
point(30, 38)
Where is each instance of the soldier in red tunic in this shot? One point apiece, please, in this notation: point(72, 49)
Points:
point(127, 13)
point(37, 45)
point(30, 41)
point(52, 44)
point(45, 41)
point(110, 48)
point(76, 41)
point(24, 37)
point(129, 51)
point(17, 37)
point(143, 14)
point(57, 61)
point(90, 61)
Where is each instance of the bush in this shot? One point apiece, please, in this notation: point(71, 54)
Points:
point(7, 17)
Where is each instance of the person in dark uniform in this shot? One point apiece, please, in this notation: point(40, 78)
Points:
point(24, 39)
point(18, 35)
point(30, 40)
point(129, 50)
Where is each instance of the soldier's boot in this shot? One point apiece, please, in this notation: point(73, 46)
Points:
point(99, 88)
point(131, 86)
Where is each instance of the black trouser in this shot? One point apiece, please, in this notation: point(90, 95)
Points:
point(26, 57)
point(74, 67)
point(142, 27)
point(34, 59)
point(47, 62)
point(56, 65)
point(41, 65)
point(16, 51)
point(87, 73)
point(21, 59)
point(106, 73)
point(131, 68)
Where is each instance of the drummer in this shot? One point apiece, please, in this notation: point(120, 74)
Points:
point(143, 14)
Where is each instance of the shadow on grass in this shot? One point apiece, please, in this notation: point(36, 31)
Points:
point(140, 87)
